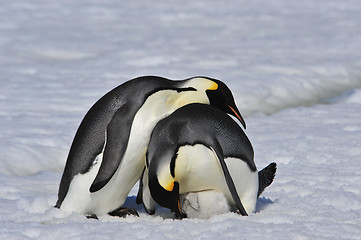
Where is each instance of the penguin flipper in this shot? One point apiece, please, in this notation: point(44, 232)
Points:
point(232, 188)
point(144, 197)
point(139, 199)
point(117, 136)
point(266, 176)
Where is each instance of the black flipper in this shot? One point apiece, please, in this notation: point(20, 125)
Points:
point(266, 176)
point(217, 149)
point(139, 199)
point(117, 137)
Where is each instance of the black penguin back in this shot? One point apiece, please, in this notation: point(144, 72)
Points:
point(198, 123)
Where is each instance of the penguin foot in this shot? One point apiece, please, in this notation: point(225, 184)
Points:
point(123, 212)
point(92, 216)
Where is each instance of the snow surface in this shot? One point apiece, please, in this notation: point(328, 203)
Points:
point(295, 71)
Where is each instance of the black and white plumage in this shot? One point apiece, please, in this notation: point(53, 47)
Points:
point(107, 155)
point(200, 148)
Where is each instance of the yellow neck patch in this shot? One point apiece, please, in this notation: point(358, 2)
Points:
point(170, 186)
point(165, 178)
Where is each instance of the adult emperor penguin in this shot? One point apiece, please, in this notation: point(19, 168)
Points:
point(200, 148)
point(107, 155)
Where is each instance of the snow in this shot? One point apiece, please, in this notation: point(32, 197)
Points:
point(293, 67)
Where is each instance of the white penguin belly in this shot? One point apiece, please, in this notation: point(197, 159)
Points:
point(78, 196)
point(200, 170)
point(246, 183)
point(114, 193)
point(197, 169)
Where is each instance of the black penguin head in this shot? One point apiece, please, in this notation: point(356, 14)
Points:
point(221, 97)
point(210, 91)
point(167, 196)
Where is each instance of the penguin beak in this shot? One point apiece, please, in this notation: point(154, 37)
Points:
point(236, 113)
point(177, 208)
point(178, 211)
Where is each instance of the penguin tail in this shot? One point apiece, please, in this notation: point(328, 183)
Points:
point(265, 177)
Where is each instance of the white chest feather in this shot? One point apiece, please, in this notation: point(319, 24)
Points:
point(114, 193)
point(198, 169)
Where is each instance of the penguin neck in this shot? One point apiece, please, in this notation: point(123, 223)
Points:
point(157, 106)
point(162, 103)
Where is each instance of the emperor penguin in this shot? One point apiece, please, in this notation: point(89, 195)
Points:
point(200, 148)
point(107, 155)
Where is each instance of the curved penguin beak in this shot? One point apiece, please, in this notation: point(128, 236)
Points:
point(236, 113)
point(178, 211)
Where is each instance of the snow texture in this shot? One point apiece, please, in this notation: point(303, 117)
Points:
point(293, 67)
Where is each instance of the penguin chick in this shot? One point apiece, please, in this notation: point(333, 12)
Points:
point(203, 204)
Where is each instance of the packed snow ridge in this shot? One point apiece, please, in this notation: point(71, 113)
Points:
point(317, 88)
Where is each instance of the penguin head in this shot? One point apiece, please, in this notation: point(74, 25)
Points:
point(219, 95)
point(168, 198)
point(164, 188)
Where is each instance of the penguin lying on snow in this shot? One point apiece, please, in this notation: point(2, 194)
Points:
point(200, 148)
point(107, 155)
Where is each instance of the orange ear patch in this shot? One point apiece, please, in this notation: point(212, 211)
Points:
point(214, 86)
point(170, 186)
